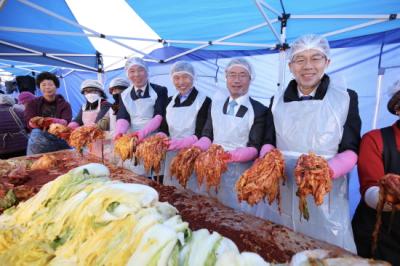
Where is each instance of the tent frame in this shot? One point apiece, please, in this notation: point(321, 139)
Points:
point(261, 5)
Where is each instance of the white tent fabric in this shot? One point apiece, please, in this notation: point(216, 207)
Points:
point(114, 18)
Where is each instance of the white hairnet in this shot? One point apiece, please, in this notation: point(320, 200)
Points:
point(243, 63)
point(120, 82)
point(182, 67)
point(394, 88)
point(135, 61)
point(307, 42)
point(91, 83)
point(6, 99)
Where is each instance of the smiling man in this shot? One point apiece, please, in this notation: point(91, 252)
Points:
point(314, 114)
point(237, 123)
point(142, 105)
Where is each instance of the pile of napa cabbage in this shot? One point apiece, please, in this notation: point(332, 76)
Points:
point(84, 218)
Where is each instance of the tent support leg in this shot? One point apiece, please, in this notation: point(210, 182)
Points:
point(381, 74)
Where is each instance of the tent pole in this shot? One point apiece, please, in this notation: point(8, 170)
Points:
point(355, 27)
point(260, 8)
point(268, 7)
point(37, 53)
point(62, 33)
point(19, 67)
point(65, 88)
point(381, 74)
point(327, 16)
point(221, 39)
point(282, 52)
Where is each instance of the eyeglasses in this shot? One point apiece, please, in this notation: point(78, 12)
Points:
point(241, 76)
point(314, 60)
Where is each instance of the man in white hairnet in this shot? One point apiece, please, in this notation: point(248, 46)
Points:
point(379, 156)
point(186, 115)
point(143, 104)
point(237, 124)
point(313, 114)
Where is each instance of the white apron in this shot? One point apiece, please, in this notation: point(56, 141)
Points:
point(141, 111)
point(113, 122)
point(89, 118)
point(181, 123)
point(230, 132)
point(317, 126)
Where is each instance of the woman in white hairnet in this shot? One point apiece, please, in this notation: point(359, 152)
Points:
point(142, 106)
point(116, 87)
point(237, 124)
point(379, 155)
point(186, 114)
point(313, 114)
point(95, 108)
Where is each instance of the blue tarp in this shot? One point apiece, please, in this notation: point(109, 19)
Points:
point(16, 14)
point(208, 20)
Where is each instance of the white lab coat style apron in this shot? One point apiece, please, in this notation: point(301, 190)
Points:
point(89, 118)
point(230, 132)
point(141, 111)
point(317, 126)
point(181, 123)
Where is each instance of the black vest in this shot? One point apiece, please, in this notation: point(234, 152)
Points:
point(388, 247)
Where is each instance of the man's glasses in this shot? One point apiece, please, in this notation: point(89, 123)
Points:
point(314, 60)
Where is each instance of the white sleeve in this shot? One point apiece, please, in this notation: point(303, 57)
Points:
point(371, 198)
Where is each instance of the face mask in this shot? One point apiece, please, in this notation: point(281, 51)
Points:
point(92, 97)
point(116, 98)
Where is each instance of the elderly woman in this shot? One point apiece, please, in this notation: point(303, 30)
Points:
point(379, 155)
point(315, 114)
point(51, 105)
point(95, 108)
point(143, 105)
point(186, 114)
point(236, 123)
point(13, 138)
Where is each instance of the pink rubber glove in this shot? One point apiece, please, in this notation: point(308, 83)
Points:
point(73, 125)
point(342, 163)
point(203, 143)
point(121, 128)
point(265, 149)
point(177, 144)
point(162, 134)
point(241, 155)
point(59, 121)
point(31, 125)
point(151, 126)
